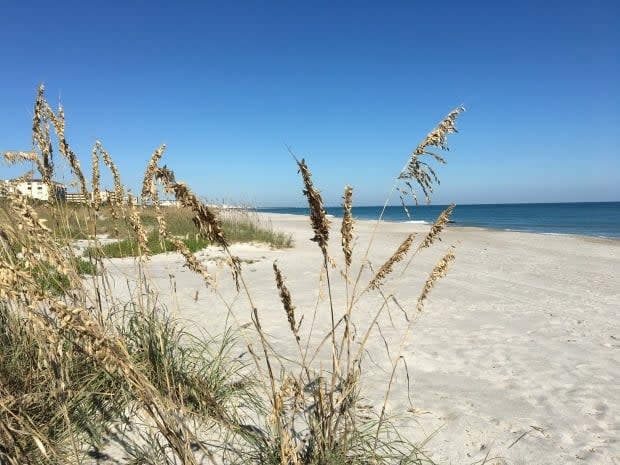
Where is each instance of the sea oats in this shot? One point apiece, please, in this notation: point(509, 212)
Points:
point(115, 200)
point(439, 271)
point(438, 137)
point(162, 229)
point(149, 189)
point(34, 239)
point(12, 157)
point(74, 163)
point(149, 192)
point(118, 185)
point(437, 227)
point(26, 217)
point(43, 113)
point(401, 194)
point(96, 178)
point(138, 228)
point(285, 297)
point(322, 422)
point(396, 257)
point(347, 225)
point(58, 120)
point(111, 354)
point(12, 279)
point(234, 263)
point(205, 219)
point(421, 172)
point(318, 216)
point(191, 261)
point(41, 137)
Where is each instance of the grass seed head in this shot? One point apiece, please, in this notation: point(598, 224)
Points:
point(138, 228)
point(234, 263)
point(318, 216)
point(12, 157)
point(438, 226)
point(41, 137)
point(191, 261)
point(205, 219)
point(285, 297)
point(96, 178)
point(439, 271)
point(43, 114)
point(347, 225)
point(438, 137)
point(418, 170)
point(396, 257)
point(118, 185)
point(149, 189)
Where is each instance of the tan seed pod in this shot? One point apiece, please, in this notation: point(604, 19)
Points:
point(396, 257)
point(437, 227)
point(318, 216)
point(418, 170)
point(96, 178)
point(205, 219)
point(285, 297)
point(347, 225)
point(439, 271)
point(138, 228)
point(149, 189)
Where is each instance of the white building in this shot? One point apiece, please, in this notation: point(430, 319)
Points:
point(169, 203)
point(37, 189)
point(104, 196)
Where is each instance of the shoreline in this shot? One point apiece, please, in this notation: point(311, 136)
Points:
point(452, 226)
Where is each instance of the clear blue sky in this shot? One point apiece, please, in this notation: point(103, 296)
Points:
point(351, 86)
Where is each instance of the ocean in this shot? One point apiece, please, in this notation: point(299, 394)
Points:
point(598, 219)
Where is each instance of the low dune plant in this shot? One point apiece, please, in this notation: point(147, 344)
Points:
point(80, 366)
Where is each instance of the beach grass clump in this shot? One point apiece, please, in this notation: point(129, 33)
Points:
point(52, 394)
point(199, 373)
point(50, 279)
point(239, 231)
point(71, 221)
point(81, 365)
point(243, 225)
point(130, 247)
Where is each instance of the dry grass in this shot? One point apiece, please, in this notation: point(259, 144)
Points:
point(76, 365)
point(387, 267)
point(318, 215)
point(346, 230)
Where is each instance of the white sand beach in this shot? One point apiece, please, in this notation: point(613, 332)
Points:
point(516, 354)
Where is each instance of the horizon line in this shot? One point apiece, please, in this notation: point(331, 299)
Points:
point(454, 203)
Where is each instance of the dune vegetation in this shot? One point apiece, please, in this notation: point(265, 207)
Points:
point(81, 369)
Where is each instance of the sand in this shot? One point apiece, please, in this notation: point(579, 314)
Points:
point(516, 354)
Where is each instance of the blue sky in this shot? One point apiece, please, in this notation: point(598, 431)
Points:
point(352, 87)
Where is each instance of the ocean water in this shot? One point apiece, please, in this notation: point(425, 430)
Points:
point(598, 219)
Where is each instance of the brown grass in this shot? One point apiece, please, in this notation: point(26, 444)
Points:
point(346, 230)
point(318, 216)
point(195, 403)
point(287, 303)
point(396, 257)
point(420, 172)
